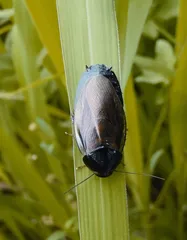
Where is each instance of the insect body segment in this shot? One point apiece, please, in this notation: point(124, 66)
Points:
point(99, 120)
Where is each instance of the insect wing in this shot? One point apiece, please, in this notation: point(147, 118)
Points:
point(99, 118)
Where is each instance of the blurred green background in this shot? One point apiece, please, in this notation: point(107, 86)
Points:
point(36, 158)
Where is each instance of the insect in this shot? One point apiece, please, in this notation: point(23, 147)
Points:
point(99, 120)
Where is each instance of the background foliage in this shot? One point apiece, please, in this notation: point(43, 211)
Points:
point(36, 164)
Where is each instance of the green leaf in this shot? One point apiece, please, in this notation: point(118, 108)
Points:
point(178, 94)
point(165, 53)
point(150, 29)
point(6, 3)
point(166, 9)
point(91, 38)
point(46, 22)
point(154, 159)
point(178, 117)
point(160, 69)
point(58, 235)
point(137, 14)
point(24, 57)
point(46, 128)
point(133, 148)
point(6, 13)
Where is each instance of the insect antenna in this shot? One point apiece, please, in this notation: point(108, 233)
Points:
point(79, 183)
point(143, 174)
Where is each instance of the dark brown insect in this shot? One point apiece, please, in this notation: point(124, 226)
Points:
point(99, 120)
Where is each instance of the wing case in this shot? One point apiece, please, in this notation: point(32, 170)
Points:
point(99, 119)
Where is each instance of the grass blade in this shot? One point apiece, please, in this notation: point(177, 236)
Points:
point(86, 40)
point(137, 14)
point(178, 115)
point(46, 22)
